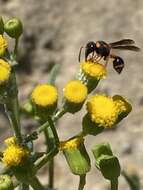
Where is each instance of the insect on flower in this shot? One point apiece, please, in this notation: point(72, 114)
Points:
point(100, 49)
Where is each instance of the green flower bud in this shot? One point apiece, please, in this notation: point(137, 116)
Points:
point(6, 183)
point(109, 167)
point(101, 149)
point(76, 156)
point(89, 127)
point(13, 28)
point(1, 26)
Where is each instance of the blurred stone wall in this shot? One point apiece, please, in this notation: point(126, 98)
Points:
point(53, 32)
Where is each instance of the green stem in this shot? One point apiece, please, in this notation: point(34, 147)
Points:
point(23, 186)
point(114, 184)
point(46, 158)
point(50, 144)
point(12, 107)
point(82, 182)
point(16, 46)
point(51, 173)
point(35, 183)
point(59, 114)
point(52, 126)
point(44, 126)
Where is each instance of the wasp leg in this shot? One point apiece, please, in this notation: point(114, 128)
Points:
point(107, 60)
point(97, 59)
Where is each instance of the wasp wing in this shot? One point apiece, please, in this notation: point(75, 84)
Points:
point(122, 42)
point(130, 48)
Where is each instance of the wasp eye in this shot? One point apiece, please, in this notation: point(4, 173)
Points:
point(90, 48)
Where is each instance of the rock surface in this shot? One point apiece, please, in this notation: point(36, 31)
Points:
point(53, 32)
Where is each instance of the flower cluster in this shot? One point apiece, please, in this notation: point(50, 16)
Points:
point(102, 111)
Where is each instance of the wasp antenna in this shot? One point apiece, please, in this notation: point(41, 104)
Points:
point(80, 53)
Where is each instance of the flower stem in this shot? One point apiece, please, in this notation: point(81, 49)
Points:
point(12, 107)
point(35, 183)
point(50, 145)
point(16, 46)
point(46, 158)
point(23, 186)
point(53, 129)
point(114, 184)
point(82, 182)
point(44, 126)
point(51, 173)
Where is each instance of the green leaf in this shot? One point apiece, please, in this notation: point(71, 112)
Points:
point(53, 74)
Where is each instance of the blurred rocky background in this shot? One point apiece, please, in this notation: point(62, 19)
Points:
point(54, 30)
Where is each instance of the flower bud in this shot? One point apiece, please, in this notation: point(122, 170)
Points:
point(101, 149)
point(1, 26)
point(13, 28)
point(91, 73)
point(109, 167)
point(75, 94)
point(44, 98)
point(6, 183)
point(76, 155)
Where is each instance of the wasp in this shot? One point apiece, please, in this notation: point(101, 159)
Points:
point(101, 50)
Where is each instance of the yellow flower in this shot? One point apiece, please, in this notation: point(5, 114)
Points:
point(5, 70)
point(95, 70)
point(102, 110)
point(14, 155)
point(44, 95)
point(10, 141)
point(71, 143)
point(3, 45)
point(75, 92)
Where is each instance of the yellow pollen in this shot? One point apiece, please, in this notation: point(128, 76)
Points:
point(75, 92)
point(72, 143)
point(102, 110)
point(95, 70)
point(44, 95)
point(14, 155)
point(10, 141)
point(3, 45)
point(5, 70)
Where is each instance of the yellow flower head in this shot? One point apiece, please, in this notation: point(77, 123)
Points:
point(102, 110)
point(14, 155)
point(71, 143)
point(3, 45)
point(75, 92)
point(5, 70)
point(10, 141)
point(95, 70)
point(44, 95)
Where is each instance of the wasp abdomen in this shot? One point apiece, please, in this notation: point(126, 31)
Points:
point(118, 64)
